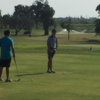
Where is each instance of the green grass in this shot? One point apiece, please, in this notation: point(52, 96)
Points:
point(81, 80)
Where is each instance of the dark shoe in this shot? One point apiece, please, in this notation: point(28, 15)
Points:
point(8, 80)
point(48, 71)
point(1, 80)
point(52, 71)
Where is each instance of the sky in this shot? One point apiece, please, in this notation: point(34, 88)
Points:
point(63, 8)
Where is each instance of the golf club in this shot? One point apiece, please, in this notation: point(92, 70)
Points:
point(17, 71)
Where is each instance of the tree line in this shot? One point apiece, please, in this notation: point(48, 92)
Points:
point(25, 17)
point(40, 12)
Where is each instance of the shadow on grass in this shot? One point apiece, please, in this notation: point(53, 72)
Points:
point(30, 74)
point(89, 41)
point(27, 35)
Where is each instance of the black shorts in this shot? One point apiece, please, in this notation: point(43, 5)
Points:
point(50, 55)
point(5, 62)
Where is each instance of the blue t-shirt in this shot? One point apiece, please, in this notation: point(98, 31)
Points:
point(52, 41)
point(5, 44)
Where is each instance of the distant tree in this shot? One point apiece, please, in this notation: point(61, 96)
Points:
point(45, 14)
point(0, 20)
point(98, 9)
point(18, 18)
point(97, 22)
point(29, 19)
point(36, 6)
point(67, 25)
point(22, 18)
point(46, 17)
point(6, 20)
point(97, 26)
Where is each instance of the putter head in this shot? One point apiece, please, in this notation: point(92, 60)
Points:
point(17, 79)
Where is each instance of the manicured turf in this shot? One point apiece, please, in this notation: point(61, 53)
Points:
point(77, 69)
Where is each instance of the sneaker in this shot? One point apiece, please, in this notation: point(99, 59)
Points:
point(48, 71)
point(1, 80)
point(8, 80)
point(52, 71)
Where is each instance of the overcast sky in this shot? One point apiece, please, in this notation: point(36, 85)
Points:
point(63, 8)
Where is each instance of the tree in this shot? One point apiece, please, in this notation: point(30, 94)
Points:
point(18, 18)
point(97, 26)
point(29, 22)
point(98, 9)
point(36, 6)
point(67, 25)
point(22, 18)
point(97, 21)
point(0, 20)
point(46, 17)
point(45, 14)
point(6, 20)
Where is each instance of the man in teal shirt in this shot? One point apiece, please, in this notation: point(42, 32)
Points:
point(7, 49)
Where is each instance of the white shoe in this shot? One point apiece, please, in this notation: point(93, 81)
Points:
point(1, 80)
point(8, 80)
point(52, 71)
point(48, 71)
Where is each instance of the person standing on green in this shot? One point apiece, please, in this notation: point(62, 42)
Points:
point(52, 44)
point(7, 49)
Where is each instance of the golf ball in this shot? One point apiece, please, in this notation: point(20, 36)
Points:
point(63, 72)
point(31, 79)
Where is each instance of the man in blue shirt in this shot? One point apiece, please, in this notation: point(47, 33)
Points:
point(52, 44)
point(7, 49)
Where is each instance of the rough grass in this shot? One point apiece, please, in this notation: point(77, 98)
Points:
point(81, 78)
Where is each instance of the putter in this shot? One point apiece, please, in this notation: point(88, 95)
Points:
point(17, 70)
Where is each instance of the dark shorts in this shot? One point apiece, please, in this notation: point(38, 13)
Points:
point(50, 55)
point(5, 62)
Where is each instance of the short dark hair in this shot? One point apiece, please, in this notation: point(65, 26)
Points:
point(6, 32)
point(53, 30)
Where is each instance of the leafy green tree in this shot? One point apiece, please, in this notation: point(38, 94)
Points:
point(0, 20)
point(67, 25)
point(29, 19)
point(18, 18)
point(45, 14)
point(6, 20)
point(22, 18)
point(36, 6)
point(97, 22)
point(46, 17)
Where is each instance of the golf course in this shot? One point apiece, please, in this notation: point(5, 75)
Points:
point(77, 68)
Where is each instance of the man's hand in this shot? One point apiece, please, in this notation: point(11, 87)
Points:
point(50, 50)
point(14, 56)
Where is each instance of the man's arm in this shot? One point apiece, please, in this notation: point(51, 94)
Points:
point(13, 51)
point(56, 45)
point(48, 46)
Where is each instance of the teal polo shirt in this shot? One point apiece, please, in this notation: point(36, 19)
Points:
point(5, 44)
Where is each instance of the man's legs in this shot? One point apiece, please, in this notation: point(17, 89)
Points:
point(50, 57)
point(7, 72)
point(50, 64)
point(1, 69)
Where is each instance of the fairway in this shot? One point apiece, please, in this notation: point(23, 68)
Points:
point(77, 69)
